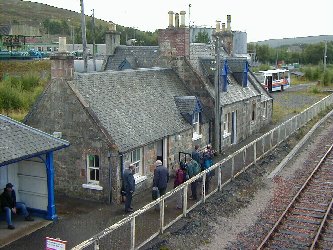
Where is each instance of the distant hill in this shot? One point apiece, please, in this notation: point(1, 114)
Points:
point(274, 43)
point(52, 22)
point(25, 12)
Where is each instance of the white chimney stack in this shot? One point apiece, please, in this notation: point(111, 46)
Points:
point(217, 27)
point(223, 27)
point(177, 20)
point(112, 26)
point(228, 23)
point(62, 44)
point(182, 18)
point(170, 19)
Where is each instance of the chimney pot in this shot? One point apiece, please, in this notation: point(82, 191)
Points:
point(218, 25)
point(228, 22)
point(177, 20)
point(182, 18)
point(223, 27)
point(171, 19)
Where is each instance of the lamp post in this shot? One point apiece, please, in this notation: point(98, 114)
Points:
point(93, 37)
point(84, 38)
point(72, 32)
point(217, 124)
point(325, 56)
point(73, 37)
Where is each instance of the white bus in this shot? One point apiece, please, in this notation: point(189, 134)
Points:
point(275, 79)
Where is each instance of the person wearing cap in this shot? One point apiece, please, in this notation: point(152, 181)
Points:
point(129, 186)
point(161, 177)
point(9, 205)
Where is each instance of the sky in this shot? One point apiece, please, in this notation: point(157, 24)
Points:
point(260, 19)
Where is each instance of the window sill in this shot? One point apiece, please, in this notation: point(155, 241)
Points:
point(196, 137)
point(92, 186)
point(139, 178)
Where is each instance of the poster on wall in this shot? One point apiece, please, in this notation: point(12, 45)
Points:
point(55, 244)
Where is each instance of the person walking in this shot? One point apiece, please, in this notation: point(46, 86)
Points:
point(179, 179)
point(193, 168)
point(207, 163)
point(129, 186)
point(9, 205)
point(196, 154)
point(161, 177)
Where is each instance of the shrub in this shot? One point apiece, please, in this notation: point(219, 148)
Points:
point(30, 81)
point(9, 98)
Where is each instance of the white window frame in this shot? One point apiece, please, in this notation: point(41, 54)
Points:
point(135, 157)
point(196, 126)
point(136, 160)
point(97, 169)
point(264, 114)
point(226, 124)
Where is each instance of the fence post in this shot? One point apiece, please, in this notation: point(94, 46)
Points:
point(271, 140)
point(219, 177)
point(162, 216)
point(255, 152)
point(232, 167)
point(96, 245)
point(203, 187)
point(133, 233)
point(263, 145)
point(244, 158)
point(185, 200)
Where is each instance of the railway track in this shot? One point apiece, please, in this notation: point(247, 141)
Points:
point(307, 221)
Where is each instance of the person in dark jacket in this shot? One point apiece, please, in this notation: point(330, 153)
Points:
point(208, 162)
point(9, 205)
point(196, 154)
point(161, 177)
point(193, 169)
point(129, 186)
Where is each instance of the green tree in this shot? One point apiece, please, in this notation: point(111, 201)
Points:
point(202, 37)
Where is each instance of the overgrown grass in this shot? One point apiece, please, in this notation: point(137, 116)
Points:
point(17, 94)
point(319, 74)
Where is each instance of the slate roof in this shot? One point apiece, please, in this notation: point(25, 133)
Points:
point(236, 92)
point(187, 104)
point(136, 107)
point(137, 56)
point(19, 141)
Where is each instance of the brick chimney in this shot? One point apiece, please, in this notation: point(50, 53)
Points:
point(175, 41)
point(62, 63)
point(112, 39)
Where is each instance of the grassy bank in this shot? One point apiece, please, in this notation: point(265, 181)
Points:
point(21, 83)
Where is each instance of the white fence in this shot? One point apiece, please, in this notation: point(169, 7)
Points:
point(132, 236)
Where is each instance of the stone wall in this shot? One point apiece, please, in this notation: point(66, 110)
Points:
point(61, 111)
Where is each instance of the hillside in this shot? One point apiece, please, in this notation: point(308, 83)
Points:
point(52, 22)
point(274, 43)
point(25, 12)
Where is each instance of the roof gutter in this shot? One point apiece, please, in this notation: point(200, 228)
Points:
point(31, 156)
